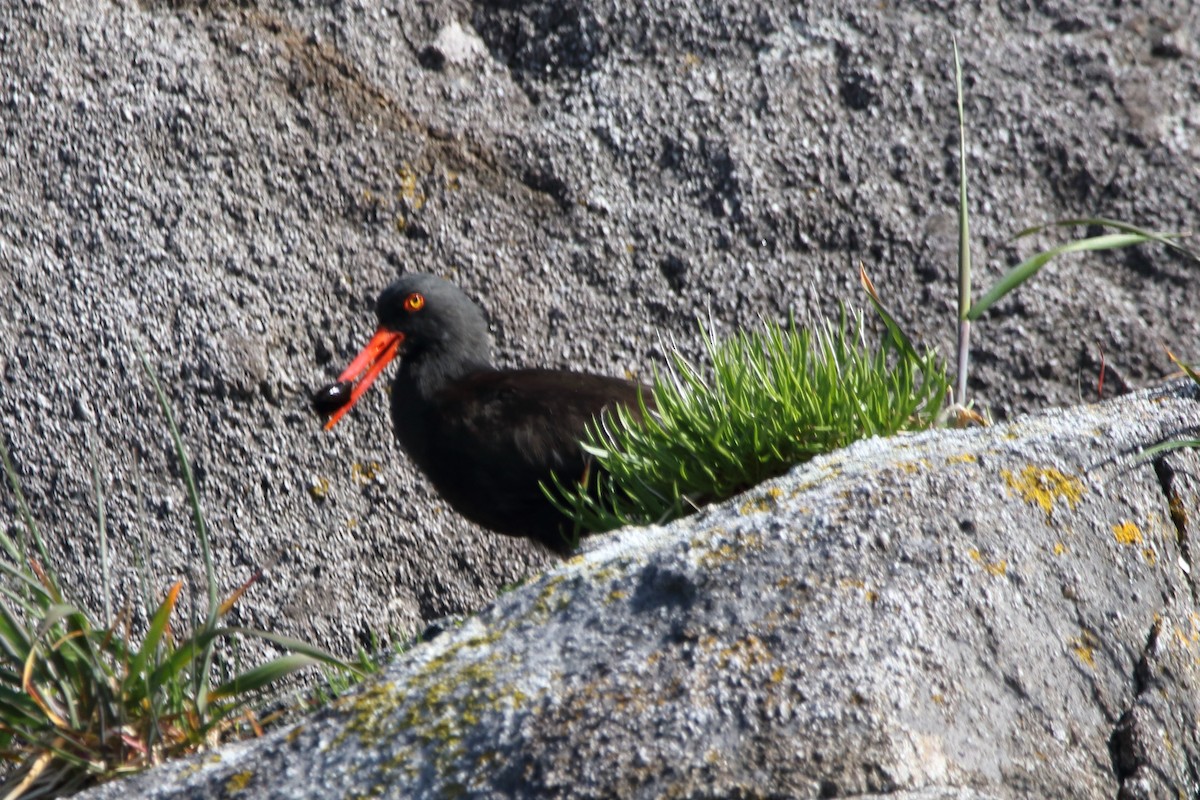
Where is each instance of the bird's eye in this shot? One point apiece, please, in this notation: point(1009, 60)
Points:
point(414, 302)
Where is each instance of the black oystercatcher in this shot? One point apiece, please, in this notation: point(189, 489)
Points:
point(485, 437)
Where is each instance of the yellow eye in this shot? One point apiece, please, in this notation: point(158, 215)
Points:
point(414, 302)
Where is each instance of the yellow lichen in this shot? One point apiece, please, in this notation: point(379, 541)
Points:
point(962, 458)
point(1059, 548)
point(319, 488)
point(1043, 486)
point(748, 651)
point(364, 473)
point(730, 551)
point(762, 503)
point(1127, 533)
point(997, 568)
point(408, 188)
point(1183, 638)
point(857, 584)
point(1085, 646)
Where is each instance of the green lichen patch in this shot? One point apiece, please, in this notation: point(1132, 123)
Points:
point(550, 600)
point(238, 782)
point(437, 708)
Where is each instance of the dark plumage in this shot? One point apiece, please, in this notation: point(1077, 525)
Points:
point(484, 437)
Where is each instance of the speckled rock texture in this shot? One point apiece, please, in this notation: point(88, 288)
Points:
point(230, 184)
point(1002, 613)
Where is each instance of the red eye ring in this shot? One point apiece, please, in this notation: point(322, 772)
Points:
point(414, 302)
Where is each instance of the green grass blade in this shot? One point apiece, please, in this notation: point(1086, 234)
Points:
point(963, 357)
point(263, 675)
point(105, 581)
point(39, 594)
point(1027, 269)
point(188, 651)
point(142, 553)
point(1188, 369)
point(15, 640)
point(53, 615)
point(15, 552)
point(190, 483)
point(17, 707)
point(294, 646)
point(1168, 239)
point(1168, 446)
point(964, 228)
point(154, 634)
point(200, 675)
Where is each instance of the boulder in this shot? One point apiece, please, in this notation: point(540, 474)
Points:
point(990, 613)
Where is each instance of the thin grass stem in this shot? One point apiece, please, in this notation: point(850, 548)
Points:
point(964, 244)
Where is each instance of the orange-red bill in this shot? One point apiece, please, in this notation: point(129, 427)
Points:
point(365, 368)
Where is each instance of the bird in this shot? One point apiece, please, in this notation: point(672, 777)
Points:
point(487, 439)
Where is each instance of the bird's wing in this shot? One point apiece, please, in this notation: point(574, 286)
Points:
point(536, 418)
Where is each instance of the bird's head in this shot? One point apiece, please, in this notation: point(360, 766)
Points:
point(429, 322)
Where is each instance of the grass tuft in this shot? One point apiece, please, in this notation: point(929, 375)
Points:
point(82, 702)
point(766, 401)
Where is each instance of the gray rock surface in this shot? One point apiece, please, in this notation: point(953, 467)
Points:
point(231, 183)
point(999, 613)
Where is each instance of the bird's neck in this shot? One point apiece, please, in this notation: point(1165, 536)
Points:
point(424, 375)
